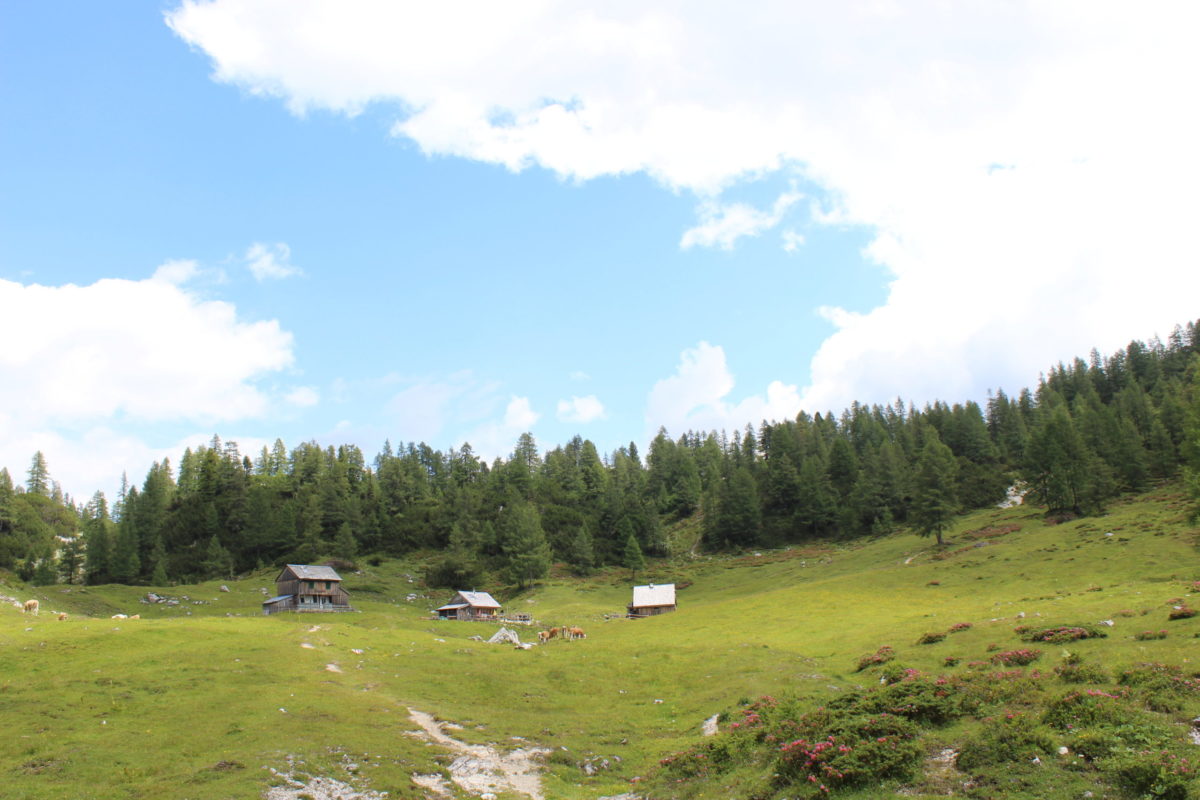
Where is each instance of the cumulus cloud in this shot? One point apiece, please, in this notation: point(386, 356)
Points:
point(722, 225)
point(1025, 171)
point(496, 439)
point(270, 262)
point(694, 398)
point(145, 349)
point(580, 409)
point(86, 360)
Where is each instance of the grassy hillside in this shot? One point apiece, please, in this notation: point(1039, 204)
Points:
point(204, 698)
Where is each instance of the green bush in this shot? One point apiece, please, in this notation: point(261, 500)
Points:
point(1159, 774)
point(1087, 709)
point(1082, 673)
point(1006, 739)
point(1059, 634)
point(1162, 687)
point(857, 751)
point(931, 637)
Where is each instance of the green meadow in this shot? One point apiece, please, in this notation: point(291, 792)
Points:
point(205, 698)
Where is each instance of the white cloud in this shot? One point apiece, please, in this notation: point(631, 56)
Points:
point(496, 439)
point(722, 225)
point(148, 350)
point(270, 262)
point(580, 409)
point(82, 362)
point(580, 375)
point(792, 241)
point(303, 397)
point(898, 112)
point(426, 407)
point(694, 398)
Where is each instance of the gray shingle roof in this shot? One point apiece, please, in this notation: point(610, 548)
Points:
point(311, 573)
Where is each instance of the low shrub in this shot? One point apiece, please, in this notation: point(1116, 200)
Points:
point(1059, 634)
point(931, 638)
point(861, 751)
point(1017, 658)
point(1088, 709)
point(1146, 636)
point(1125, 612)
point(959, 627)
point(1005, 739)
point(880, 656)
point(1161, 687)
point(1183, 612)
point(1078, 672)
point(1160, 774)
point(951, 661)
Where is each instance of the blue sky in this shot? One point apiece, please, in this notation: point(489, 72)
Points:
point(358, 221)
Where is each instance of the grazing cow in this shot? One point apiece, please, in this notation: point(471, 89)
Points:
point(62, 616)
point(554, 632)
point(136, 616)
point(31, 607)
point(576, 633)
point(543, 637)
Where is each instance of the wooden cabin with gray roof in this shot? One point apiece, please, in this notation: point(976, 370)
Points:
point(471, 606)
point(652, 599)
point(307, 588)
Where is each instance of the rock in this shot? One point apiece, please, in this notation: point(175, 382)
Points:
point(1107, 622)
point(1062, 751)
point(224, 588)
point(709, 727)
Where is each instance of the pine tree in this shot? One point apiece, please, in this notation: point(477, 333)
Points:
point(581, 551)
point(344, 545)
point(632, 558)
point(524, 543)
point(934, 504)
point(39, 476)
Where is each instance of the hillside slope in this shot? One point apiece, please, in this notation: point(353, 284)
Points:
point(203, 699)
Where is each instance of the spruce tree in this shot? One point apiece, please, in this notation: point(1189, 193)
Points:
point(524, 543)
point(934, 504)
point(632, 558)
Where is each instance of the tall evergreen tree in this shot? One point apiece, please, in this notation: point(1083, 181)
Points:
point(934, 505)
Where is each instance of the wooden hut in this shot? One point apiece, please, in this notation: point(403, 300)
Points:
point(471, 606)
point(652, 599)
point(301, 587)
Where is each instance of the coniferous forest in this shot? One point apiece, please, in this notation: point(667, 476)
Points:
point(1089, 431)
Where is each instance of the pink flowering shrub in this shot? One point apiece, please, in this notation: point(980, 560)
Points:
point(1017, 658)
point(959, 627)
point(1146, 636)
point(880, 656)
point(1061, 633)
point(1183, 612)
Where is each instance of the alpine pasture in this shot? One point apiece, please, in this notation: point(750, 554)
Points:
point(210, 699)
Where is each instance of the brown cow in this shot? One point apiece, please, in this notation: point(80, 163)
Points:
point(62, 616)
point(543, 637)
point(31, 607)
point(576, 633)
point(554, 632)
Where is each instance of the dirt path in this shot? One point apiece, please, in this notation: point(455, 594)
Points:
point(482, 768)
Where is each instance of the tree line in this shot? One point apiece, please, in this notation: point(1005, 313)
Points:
point(1089, 431)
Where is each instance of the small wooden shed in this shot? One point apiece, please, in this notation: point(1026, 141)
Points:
point(307, 588)
point(471, 606)
point(652, 599)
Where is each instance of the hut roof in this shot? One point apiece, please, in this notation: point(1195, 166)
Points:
point(472, 599)
point(662, 594)
point(276, 599)
point(307, 572)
